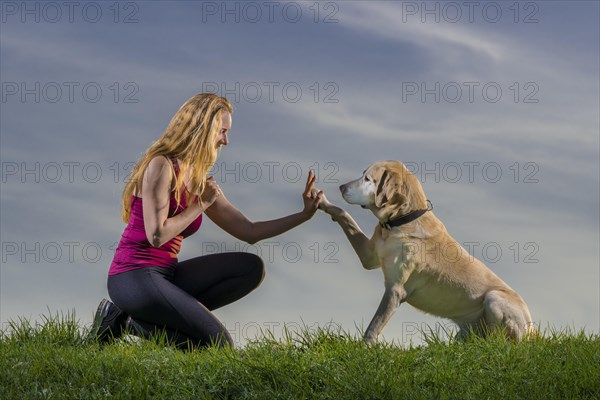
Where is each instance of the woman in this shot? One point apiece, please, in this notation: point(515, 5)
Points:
point(153, 292)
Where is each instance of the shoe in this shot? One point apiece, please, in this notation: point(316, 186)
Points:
point(107, 321)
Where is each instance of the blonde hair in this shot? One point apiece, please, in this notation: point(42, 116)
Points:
point(190, 136)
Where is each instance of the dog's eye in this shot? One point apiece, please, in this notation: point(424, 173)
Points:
point(367, 179)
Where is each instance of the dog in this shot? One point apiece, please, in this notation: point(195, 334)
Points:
point(421, 263)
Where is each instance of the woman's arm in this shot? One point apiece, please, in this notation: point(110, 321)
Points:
point(156, 191)
point(231, 220)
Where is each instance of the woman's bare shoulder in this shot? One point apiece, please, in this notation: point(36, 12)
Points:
point(160, 162)
point(160, 171)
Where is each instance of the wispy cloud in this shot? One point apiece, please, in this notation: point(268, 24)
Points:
point(388, 20)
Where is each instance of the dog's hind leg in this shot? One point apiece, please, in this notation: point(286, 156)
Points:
point(506, 310)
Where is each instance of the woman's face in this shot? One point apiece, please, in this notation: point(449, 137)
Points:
point(222, 139)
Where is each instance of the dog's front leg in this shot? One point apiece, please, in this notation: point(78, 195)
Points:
point(362, 245)
point(392, 298)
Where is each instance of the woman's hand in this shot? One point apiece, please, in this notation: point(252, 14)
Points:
point(210, 193)
point(325, 204)
point(311, 198)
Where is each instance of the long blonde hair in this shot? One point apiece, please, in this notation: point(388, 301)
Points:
point(190, 136)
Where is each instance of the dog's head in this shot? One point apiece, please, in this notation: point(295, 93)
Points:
point(387, 188)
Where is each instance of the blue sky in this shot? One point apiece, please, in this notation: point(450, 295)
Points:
point(508, 152)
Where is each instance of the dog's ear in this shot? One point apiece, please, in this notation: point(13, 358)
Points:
point(389, 193)
point(381, 192)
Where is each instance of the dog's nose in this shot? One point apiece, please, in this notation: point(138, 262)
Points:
point(343, 189)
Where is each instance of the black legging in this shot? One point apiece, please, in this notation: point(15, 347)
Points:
point(180, 302)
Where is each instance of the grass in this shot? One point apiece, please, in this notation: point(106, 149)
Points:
point(57, 360)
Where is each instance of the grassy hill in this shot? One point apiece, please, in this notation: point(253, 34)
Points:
point(56, 360)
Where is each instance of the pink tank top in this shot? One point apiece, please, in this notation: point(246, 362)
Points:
point(135, 251)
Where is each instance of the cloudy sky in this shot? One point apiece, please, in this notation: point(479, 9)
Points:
point(494, 105)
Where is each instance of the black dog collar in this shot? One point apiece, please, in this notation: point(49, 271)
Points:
point(406, 218)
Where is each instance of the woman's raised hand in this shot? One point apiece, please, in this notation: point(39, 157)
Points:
point(311, 198)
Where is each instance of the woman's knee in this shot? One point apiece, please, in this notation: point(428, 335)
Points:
point(256, 268)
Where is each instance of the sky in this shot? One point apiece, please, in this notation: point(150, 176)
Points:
point(493, 105)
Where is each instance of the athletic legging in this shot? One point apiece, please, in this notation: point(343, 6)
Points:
point(179, 302)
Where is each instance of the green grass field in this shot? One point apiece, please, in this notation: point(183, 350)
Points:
point(57, 360)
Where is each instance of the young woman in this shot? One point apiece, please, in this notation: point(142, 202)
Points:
point(164, 202)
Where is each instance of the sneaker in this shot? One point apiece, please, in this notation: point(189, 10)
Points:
point(107, 321)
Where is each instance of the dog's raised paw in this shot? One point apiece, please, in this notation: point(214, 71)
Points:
point(324, 202)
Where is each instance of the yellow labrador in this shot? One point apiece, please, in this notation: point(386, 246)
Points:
point(422, 264)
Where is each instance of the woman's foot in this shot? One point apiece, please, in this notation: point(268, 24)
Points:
point(108, 321)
